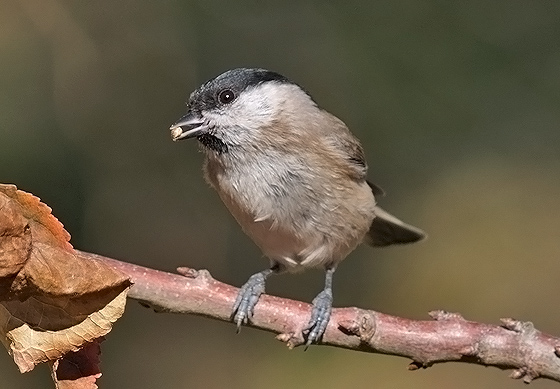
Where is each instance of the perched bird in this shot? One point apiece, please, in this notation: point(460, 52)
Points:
point(292, 175)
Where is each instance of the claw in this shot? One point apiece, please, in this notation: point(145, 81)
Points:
point(320, 315)
point(321, 312)
point(248, 297)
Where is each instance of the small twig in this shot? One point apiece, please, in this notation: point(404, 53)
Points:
point(449, 337)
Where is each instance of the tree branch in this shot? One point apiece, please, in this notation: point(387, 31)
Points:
point(449, 337)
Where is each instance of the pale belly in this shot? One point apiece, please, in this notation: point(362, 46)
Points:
point(322, 240)
point(300, 222)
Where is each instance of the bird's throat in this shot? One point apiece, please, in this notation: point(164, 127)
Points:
point(214, 143)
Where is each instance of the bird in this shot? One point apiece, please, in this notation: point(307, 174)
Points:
point(292, 175)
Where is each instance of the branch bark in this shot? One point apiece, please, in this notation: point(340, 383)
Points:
point(447, 338)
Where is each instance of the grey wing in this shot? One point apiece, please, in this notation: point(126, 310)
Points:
point(353, 152)
point(386, 230)
point(349, 147)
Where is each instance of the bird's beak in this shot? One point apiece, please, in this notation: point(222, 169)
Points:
point(189, 126)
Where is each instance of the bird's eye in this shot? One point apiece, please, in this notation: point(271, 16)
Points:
point(226, 96)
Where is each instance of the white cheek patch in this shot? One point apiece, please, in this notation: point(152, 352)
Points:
point(256, 108)
point(260, 105)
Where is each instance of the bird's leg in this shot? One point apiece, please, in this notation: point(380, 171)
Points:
point(321, 312)
point(249, 295)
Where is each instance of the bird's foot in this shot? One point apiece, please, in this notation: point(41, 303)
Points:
point(320, 315)
point(247, 298)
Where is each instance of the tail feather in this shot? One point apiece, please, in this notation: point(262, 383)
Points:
point(386, 230)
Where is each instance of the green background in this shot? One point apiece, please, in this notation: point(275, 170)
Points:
point(456, 103)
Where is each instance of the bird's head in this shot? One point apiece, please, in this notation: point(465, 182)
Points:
point(240, 106)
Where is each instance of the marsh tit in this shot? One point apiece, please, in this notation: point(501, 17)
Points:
point(292, 175)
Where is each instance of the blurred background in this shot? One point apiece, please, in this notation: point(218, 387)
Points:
point(456, 103)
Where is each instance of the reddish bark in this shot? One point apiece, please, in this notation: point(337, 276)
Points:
point(447, 338)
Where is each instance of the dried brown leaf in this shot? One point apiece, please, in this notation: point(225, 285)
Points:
point(78, 370)
point(52, 299)
point(31, 345)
